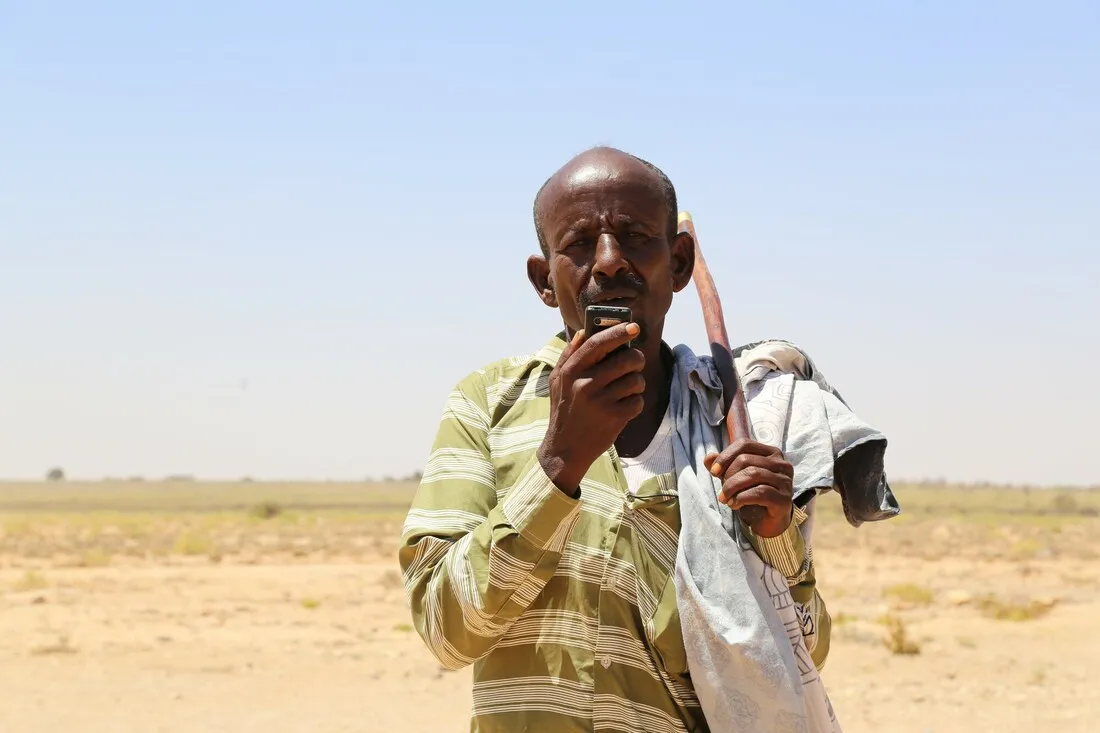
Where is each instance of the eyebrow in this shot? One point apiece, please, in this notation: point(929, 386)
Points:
point(586, 223)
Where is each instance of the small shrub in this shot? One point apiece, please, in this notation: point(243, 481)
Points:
point(266, 510)
point(1066, 504)
point(897, 637)
point(31, 580)
point(993, 607)
point(909, 593)
point(190, 543)
point(310, 603)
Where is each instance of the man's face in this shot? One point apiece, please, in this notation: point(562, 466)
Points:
point(605, 221)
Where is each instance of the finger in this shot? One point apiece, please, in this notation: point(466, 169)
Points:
point(594, 349)
point(615, 366)
point(762, 495)
point(739, 447)
point(754, 476)
point(709, 459)
point(571, 347)
point(628, 385)
point(775, 463)
point(628, 408)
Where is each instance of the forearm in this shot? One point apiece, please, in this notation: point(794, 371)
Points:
point(468, 577)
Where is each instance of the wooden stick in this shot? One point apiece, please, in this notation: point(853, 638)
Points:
point(733, 394)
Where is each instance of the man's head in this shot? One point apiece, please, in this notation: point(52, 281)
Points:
point(607, 226)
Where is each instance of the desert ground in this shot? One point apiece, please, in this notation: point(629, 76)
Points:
point(179, 606)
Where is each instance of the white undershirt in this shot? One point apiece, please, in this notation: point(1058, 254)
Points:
point(655, 460)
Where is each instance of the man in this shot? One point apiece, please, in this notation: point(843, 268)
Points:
point(542, 545)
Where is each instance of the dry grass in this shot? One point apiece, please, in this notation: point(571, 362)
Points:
point(1000, 609)
point(897, 636)
point(31, 580)
point(909, 594)
point(127, 567)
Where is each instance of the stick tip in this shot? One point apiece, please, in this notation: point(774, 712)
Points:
point(684, 216)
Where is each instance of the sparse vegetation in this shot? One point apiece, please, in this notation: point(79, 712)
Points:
point(267, 510)
point(926, 571)
point(191, 543)
point(31, 580)
point(909, 594)
point(897, 636)
point(1000, 609)
point(94, 557)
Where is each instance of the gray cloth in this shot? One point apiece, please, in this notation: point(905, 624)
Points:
point(794, 407)
point(743, 633)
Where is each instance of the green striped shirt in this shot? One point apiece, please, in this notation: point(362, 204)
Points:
point(565, 607)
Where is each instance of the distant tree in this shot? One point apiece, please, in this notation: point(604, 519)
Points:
point(415, 476)
point(55, 474)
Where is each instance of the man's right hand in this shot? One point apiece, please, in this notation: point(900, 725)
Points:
point(593, 395)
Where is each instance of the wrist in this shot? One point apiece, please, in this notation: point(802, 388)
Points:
point(772, 527)
point(558, 471)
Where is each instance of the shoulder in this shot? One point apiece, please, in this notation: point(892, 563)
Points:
point(487, 384)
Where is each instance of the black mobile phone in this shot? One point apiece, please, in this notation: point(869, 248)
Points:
point(601, 317)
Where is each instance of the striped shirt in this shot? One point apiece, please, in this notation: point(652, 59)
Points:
point(565, 607)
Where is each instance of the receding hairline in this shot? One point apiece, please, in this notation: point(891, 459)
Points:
point(663, 181)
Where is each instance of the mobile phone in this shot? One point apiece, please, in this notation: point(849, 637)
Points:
point(602, 317)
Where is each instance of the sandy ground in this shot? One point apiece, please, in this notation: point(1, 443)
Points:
point(326, 647)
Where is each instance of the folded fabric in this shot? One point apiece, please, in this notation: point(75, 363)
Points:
point(743, 635)
point(792, 405)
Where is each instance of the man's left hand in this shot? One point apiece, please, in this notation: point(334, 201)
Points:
point(756, 474)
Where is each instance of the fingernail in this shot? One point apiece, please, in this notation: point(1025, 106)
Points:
point(633, 329)
point(715, 469)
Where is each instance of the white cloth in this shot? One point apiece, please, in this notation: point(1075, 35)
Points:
point(656, 460)
point(742, 629)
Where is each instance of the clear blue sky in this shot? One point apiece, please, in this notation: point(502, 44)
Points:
point(265, 239)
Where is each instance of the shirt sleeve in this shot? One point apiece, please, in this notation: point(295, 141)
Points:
point(472, 564)
point(793, 557)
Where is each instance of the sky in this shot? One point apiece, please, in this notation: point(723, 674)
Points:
point(266, 239)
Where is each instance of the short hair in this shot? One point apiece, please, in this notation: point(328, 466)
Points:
point(667, 189)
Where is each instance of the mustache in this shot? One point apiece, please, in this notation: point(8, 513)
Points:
point(628, 282)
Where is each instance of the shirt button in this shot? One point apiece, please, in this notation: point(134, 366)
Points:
point(606, 662)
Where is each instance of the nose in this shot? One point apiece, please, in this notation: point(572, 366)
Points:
point(609, 257)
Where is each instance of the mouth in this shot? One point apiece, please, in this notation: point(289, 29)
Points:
point(620, 299)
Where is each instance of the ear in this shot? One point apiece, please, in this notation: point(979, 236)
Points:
point(538, 272)
point(682, 253)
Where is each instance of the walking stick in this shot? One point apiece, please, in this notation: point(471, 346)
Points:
point(733, 394)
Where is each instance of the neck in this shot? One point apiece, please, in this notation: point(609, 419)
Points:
point(658, 380)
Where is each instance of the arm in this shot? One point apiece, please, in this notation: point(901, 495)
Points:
point(790, 555)
point(472, 565)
